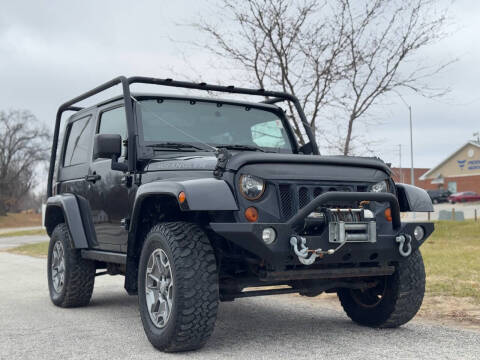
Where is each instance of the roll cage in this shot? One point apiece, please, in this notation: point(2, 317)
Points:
point(274, 97)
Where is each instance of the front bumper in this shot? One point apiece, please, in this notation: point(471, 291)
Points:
point(384, 250)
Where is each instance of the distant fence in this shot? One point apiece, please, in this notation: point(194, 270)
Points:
point(457, 212)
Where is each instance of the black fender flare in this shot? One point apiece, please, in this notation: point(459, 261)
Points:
point(412, 198)
point(69, 206)
point(206, 194)
point(198, 198)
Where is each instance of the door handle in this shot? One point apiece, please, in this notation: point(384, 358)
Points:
point(93, 177)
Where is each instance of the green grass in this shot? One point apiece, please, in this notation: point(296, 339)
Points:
point(36, 250)
point(23, 233)
point(452, 259)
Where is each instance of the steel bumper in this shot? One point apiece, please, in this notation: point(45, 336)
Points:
point(386, 248)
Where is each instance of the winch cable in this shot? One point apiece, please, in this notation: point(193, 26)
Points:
point(304, 251)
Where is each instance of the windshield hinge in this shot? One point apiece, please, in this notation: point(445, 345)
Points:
point(223, 155)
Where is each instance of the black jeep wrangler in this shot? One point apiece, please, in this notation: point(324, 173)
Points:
point(198, 200)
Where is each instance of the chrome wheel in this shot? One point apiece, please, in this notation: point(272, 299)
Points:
point(159, 288)
point(58, 266)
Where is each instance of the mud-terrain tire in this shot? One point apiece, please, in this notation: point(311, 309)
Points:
point(402, 296)
point(78, 274)
point(183, 253)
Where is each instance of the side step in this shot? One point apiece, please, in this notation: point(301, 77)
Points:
point(328, 273)
point(105, 256)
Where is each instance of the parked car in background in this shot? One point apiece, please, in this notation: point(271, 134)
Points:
point(439, 196)
point(463, 197)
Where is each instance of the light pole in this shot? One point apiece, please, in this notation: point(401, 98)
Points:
point(412, 177)
point(400, 161)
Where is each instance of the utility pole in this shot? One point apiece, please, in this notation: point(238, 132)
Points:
point(400, 162)
point(412, 177)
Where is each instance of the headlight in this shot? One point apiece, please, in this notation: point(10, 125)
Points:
point(381, 186)
point(251, 187)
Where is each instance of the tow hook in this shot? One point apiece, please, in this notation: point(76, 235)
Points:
point(302, 251)
point(404, 244)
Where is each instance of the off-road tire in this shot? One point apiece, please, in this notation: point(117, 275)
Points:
point(195, 290)
point(79, 277)
point(402, 298)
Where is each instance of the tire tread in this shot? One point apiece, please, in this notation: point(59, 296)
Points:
point(79, 285)
point(406, 297)
point(197, 282)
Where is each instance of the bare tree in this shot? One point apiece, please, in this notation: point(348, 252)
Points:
point(384, 41)
point(337, 56)
point(24, 145)
point(283, 45)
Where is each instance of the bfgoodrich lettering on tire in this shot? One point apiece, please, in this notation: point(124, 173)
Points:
point(394, 301)
point(70, 278)
point(177, 287)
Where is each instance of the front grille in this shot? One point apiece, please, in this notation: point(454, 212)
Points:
point(286, 201)
point(294, 197)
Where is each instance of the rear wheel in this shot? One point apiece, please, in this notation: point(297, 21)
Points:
point(70, 278)
point(177, 287)
point(393, 302)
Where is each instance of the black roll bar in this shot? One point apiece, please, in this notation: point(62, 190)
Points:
point(126, 82)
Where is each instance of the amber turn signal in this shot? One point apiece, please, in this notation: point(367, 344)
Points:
point(182, 197)
point(251, 214)
point(388, 214)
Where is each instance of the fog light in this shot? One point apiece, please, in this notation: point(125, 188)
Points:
point(418, 233)
point(269, 235)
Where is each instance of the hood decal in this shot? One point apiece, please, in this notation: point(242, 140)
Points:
point(183, 163)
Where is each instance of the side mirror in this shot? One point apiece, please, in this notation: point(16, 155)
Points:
point(109, 146)
point(306, 149)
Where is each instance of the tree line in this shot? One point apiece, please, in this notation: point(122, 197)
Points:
point(24, 149)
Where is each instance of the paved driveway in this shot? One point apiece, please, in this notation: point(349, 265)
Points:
point(7, 230)
point(12, 241)
point(278, 327)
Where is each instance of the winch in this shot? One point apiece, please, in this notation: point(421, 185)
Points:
point(344, 225)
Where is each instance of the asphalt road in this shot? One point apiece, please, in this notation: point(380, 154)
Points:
point(12, 241)
point(278, 327)
point(25, 228)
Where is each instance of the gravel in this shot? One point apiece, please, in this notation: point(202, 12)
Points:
point(277, 327)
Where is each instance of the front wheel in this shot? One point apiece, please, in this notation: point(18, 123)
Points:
point(394, 301)
point(177, 287)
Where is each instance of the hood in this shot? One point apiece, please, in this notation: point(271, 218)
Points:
point(245, 158)
point(239, 159)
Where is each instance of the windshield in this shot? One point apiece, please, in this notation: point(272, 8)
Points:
point(200, 122)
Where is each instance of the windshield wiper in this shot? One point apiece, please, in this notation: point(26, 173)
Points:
point(241, 147)
point(180, 146)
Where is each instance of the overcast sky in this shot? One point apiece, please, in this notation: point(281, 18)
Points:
point(51, 51)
